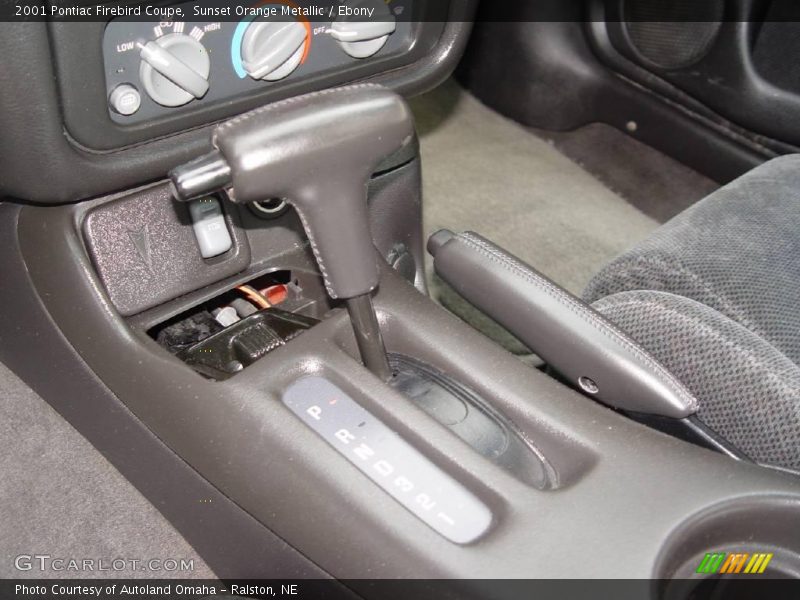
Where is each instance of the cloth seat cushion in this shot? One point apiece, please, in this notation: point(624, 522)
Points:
point(737, 251)
point(748, 392)
point(714, 294)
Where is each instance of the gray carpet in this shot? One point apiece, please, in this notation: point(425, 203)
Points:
point(60, 497)
point(656, 184)
point(485, 173)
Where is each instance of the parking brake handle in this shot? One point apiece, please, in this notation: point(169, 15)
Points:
point(317, 152)
point(573, 338)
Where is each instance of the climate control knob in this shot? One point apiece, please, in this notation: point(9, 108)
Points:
point(174, 69)
point(271, 50)
point(361, 37)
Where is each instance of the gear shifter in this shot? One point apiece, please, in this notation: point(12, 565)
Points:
point(318, 152)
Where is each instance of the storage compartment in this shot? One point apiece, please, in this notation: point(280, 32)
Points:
point(231, 331)
point(751, 537)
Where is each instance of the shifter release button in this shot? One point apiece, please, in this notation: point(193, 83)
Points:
point(396, 466)
point(209, 225)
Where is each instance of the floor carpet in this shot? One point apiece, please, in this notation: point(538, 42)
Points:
point(656, 184)
point(60, 497)
point(485, 173)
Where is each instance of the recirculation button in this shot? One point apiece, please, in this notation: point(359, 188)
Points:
point(125, 99)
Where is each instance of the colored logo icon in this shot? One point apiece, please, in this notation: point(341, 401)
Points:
point(734, 563)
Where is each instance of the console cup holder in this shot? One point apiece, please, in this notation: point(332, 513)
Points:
point(750, 525)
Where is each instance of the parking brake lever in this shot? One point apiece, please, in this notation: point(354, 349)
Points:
point(317, 152)
point(568, 334)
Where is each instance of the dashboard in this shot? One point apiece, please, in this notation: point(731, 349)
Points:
point(154, 78)
point(89, 107)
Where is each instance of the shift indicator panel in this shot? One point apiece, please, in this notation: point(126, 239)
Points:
point(393, 464)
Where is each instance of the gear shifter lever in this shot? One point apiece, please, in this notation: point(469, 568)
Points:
point(318, 152)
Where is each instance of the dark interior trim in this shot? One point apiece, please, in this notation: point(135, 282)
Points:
point(233, 543)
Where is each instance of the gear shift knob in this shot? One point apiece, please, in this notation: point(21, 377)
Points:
point(318, 152)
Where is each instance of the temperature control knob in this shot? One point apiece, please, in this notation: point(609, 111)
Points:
point(360, 36)
point(271, 50)
point(174, 69)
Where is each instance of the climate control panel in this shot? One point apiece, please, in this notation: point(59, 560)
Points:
point(153, 69)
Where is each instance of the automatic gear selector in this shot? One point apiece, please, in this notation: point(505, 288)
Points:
point(318, 152)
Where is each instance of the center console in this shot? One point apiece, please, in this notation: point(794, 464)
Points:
point(613, 487)
point(277, 437)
